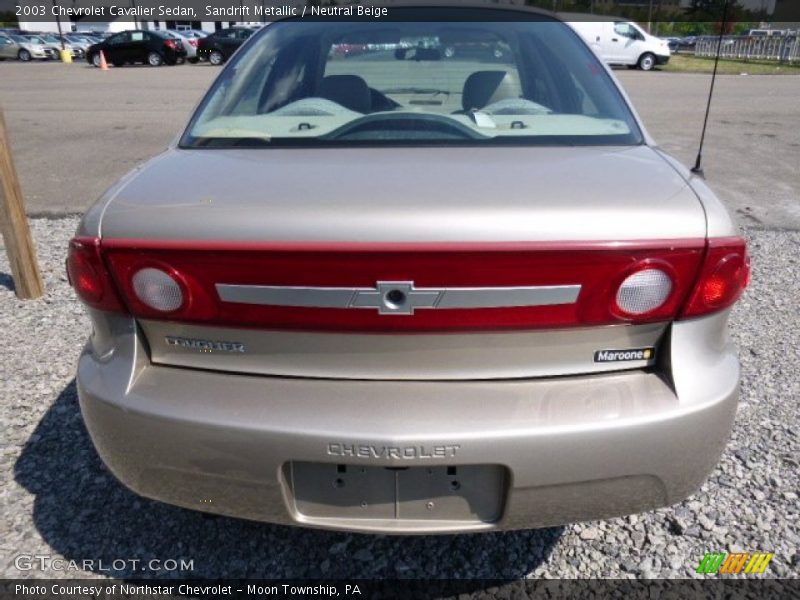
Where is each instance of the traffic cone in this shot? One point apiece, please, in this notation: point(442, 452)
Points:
point(103, 63)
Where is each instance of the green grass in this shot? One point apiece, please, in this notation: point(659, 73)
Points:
point(691, 64)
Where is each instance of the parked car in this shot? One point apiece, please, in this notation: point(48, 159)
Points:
point(348, 50)
point(22, 48)
point(56, 45)
point(96, 34)
point(623, 43)
point(189, 43)
point(92, 39)
point(127, 47)
point(673, 43)
point(78, 41)
point(767, 32)
point(685, 43)
point(352, 299)
point(193, 33)
point(220, 45)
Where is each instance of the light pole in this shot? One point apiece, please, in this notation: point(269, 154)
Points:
point(58, 23)
point(65, 57)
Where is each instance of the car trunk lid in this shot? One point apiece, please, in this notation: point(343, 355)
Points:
point(507, 261)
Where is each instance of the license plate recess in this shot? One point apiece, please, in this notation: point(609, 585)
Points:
point(472, 493)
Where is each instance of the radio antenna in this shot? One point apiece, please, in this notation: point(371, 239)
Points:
point(698, 165)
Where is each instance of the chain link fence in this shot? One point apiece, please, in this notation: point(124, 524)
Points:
point(784, 48)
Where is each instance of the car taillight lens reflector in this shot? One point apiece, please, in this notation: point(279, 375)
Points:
point(157, 289)
point(643, 291)
point(89, 277)
point(723, 279)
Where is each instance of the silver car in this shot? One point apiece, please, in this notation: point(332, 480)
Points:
point(79, 42)
point(21, 48)
point(57, 43)
point(188, 41)
point(51, 45)
point(386, 292)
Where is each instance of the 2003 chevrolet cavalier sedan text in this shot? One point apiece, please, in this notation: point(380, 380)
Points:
point(425, 275)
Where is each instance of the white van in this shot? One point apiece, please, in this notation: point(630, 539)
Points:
point(623, 43)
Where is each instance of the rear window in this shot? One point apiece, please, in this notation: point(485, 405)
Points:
point(317, 83)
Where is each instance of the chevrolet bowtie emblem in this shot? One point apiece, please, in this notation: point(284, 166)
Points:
point(398, 297)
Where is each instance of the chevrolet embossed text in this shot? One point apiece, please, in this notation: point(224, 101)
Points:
point(392, 452)
point(205, 345)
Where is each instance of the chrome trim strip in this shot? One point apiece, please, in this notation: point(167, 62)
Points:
point(508, 297)
point(398, 297)
point(316, 297)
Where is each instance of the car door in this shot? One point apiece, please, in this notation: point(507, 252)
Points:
point(139, 45)
point(625, 40)
point(8, 49)
point(603, 38)
point(117, 47)
point(229, 42)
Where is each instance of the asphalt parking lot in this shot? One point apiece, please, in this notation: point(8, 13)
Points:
point(76, 129)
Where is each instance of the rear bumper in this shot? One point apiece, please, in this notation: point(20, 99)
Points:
point(572, 448)
point(175, 55)
point(661, 59)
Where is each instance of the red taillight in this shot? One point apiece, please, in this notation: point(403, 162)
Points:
point(172, 44)
point(193, 42)
point(723, 279)
point(610, 289)
point(89, 277)
point(629, 282)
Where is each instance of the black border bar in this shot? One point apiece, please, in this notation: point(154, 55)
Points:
point(712, 587)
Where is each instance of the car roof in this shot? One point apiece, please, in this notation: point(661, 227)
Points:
point(471, 4)
point(456, 4)
point(574, 16)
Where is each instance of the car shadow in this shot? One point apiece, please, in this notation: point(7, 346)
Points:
point(87, 516)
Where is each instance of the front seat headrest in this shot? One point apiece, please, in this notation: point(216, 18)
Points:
point(485, 87)
point(351, 91)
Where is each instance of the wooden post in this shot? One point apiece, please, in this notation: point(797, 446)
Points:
point(16, 232)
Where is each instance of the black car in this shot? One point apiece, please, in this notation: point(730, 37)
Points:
point(218, 47)
point(154, 48)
